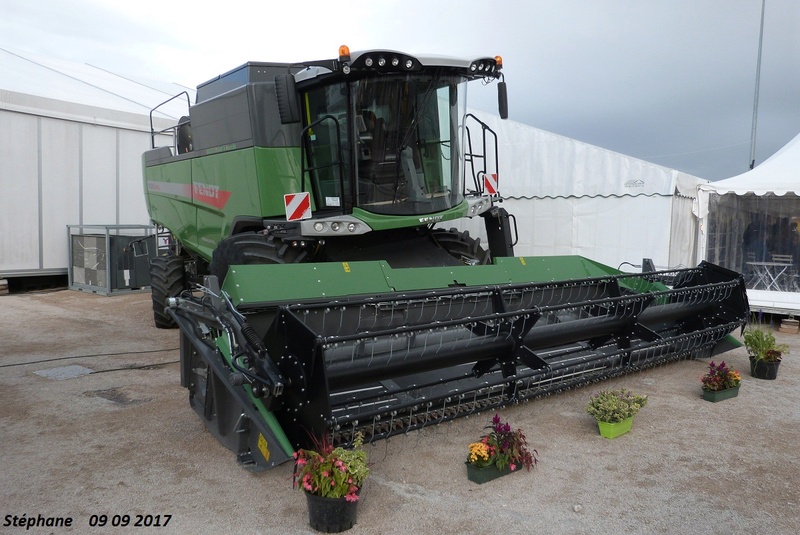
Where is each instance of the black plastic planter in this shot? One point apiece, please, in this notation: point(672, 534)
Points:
point(761, 369)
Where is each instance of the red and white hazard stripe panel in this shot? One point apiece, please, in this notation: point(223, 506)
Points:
point(298, 206)
point(490, 184)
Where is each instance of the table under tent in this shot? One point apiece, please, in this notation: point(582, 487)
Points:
point(749, 224)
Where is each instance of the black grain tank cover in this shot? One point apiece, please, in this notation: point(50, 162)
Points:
point(240, 109)
point(250, 72)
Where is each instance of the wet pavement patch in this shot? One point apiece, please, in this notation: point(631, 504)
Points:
point(117, 395)
point(65, 372)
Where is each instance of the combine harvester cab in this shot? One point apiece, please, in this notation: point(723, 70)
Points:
point(315, 295)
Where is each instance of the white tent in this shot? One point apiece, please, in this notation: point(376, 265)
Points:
point(71, 140)
point(746, 224)
point(570, 197)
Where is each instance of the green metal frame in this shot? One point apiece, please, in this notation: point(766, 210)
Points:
point(250, 284)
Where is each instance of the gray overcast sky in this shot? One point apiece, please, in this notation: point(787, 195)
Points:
point(669, 81)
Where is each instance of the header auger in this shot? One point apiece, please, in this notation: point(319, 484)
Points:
point(315, 294)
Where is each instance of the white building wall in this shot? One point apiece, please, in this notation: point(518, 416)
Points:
point(56, 172)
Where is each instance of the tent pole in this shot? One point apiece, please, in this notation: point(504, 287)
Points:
point(758, 83)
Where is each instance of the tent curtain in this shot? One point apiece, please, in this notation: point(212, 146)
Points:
point(756, 235)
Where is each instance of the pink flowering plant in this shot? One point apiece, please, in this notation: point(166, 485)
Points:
point(720, 377)
point(502, 447)
point(331, 472)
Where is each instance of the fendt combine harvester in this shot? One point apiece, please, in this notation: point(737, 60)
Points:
point(315, 295)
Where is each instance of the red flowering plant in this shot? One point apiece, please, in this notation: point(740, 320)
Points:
point(331, 472)
point(502, 447)
point(720, 377)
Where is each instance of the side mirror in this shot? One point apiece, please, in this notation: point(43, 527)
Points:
point(502, 100)
point(286, 94)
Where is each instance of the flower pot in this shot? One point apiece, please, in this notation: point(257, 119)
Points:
point(719, 395)
point(482, 474)
point(330, 515)
point(762, 369)
point(613, 430)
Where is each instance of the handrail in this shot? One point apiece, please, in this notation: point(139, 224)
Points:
point(338, 163)
point(470, 156)
point(153, 132)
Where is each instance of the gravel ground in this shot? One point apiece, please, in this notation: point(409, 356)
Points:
point(121, 439)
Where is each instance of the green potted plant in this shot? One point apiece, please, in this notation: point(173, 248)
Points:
point(720, 382)
point(614, 410)
point(501, 451)
point(765, 353)
point(331, 479)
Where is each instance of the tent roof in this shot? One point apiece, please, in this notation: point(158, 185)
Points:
point(778, 175)
point(78, 91)
point(535, 164)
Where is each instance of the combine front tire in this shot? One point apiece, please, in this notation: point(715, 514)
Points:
point(167, 279)
point(251, 248)
point(461, 246)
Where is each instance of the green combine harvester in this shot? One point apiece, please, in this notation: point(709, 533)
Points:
point(316, 294)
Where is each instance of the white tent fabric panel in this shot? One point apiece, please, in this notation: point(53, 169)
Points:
point(626, 229)
point(98, 172)
point(60, 171)
point(683, 233)
point(539, 164)
point(544, 225)
point(19, 203)
point(608, 230)
point(56, 173)
point(779, 175)
point(111, 176)
point(570, 197)
point(131, 205)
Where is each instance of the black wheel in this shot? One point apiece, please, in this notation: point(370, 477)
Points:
point(167, 279)
point(251, 248)
point(461, 246)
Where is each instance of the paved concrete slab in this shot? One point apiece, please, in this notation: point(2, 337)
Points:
point(64, 372)
point(122, 440)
